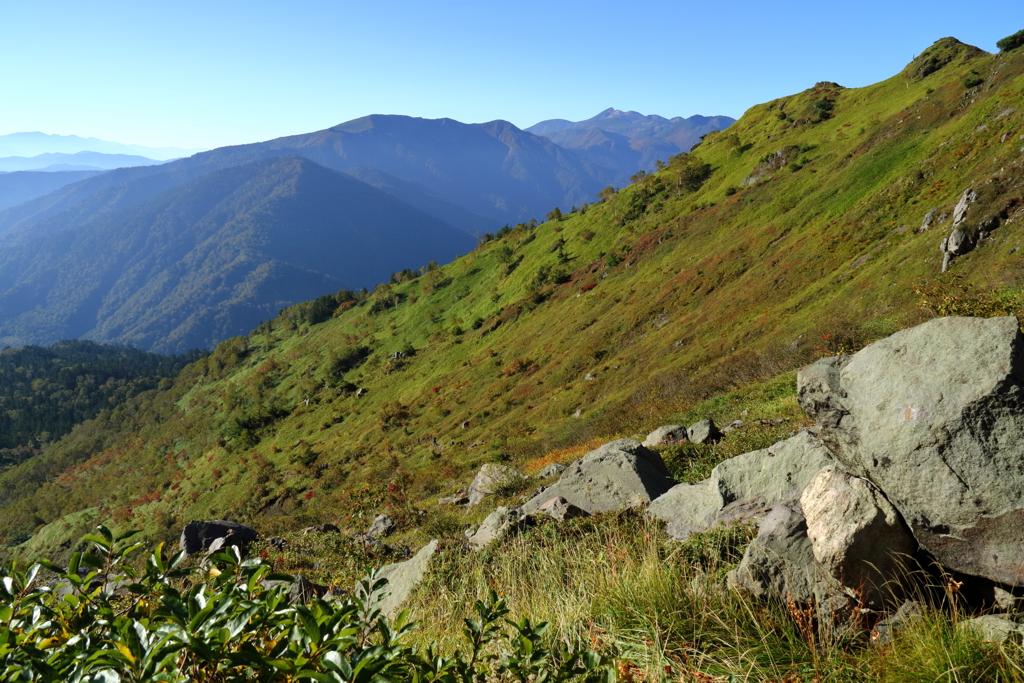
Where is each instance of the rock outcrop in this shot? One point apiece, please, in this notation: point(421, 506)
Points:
point(616, 476)
point(560, 509)
point(552, 470)
point(933, 416)
point(382, 526)
point(704, 431)
point(490, 479)
point(402, 578)
point(744, 487)
point(197, 536)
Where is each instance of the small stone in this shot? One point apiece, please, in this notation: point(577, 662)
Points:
point(382, 526)
point(704, 432)
point(553, 470)
point(666, 436)
point(560, 509)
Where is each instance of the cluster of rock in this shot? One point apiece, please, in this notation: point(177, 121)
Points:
point(964, 236)
point(924, 440)
point(916, 460)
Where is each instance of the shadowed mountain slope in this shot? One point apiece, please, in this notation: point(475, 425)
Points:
point(210, 258)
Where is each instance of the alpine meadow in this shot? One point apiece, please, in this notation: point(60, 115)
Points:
point(456, 474)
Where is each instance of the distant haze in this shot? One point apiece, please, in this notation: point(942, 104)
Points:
point(33, 144)
point(80, 161)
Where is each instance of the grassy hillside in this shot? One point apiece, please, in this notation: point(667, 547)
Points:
point(691, 292)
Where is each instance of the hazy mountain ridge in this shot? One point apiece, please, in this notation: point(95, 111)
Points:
point(35, 143)
point(628, 138)
point(81, 161)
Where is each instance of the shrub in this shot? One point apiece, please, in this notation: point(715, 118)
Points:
point(972, 80)
point(1011, 42)
point(222, 621)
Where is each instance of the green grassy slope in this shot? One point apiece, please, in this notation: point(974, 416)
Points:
point(638, 311)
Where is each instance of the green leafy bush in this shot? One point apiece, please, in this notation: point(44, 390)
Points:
point(232, 621)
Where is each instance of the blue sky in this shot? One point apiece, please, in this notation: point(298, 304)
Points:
point(205, 74)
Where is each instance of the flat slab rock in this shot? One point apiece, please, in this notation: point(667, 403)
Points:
point(402, 578)
point(744, 487)
point(618, 475)
point(934, 417)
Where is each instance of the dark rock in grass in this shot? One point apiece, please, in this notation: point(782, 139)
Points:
point(887, 629)
point(616, 476)
point(301, 590)
point(934, 417)
point(779, 562)
point(198, 535)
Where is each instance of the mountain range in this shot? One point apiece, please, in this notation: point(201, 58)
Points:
point(35, 143)
point(79, 161)
point(174, 255)
point(630, 139)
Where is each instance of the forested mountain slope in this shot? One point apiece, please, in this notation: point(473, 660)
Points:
point(207, 259)
point(45, 392)
point(810, 226)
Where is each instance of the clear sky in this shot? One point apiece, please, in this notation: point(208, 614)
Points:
point(215, 72)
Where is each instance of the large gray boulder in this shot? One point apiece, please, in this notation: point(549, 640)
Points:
point(496, 525)
point(934, 417)
point(197, 536)
point(744, 487)
point(616, 476)
point(490, 479)
point(857, 536)
point(402, 578)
